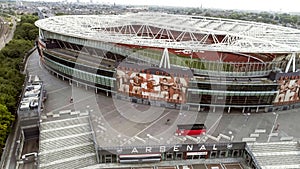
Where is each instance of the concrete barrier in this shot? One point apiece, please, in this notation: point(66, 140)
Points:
point(224, 136)
point(260, 131)
point(84, 114)
point(254, 135)
point(50, 114)
point(65, 112)
point(75, 112)
point(273, 134)
point(56, 115)
point(138, 138)
point(249, 139)
point(286, 138)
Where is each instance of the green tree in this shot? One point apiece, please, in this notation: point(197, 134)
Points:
point(11, 80)
point(16, 48)
point(5, 121)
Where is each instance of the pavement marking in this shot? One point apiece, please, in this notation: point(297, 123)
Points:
point(254, 135)
point(272, 127)
point(53, 91)
point(111, 111)
point(148, 126)
point(260, 131)
point(212, 126)
point(71, 103)
point(290, 138)
point(284, 134)
point(247, 139)
point(274, 134)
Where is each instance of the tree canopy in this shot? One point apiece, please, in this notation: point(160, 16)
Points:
point(11, 80)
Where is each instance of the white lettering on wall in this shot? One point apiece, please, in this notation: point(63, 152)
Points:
point(176, 148)
point(202, 147)
point(189, 147)
point(214, 147)
point(134, 150)
point(148, 149)
point(162, 149)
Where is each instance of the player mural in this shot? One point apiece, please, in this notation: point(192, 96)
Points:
point(288, 90)
point(152, 84)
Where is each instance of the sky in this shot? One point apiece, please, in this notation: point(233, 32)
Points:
point(265, 5)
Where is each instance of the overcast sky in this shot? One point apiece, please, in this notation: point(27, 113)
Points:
point(266, 5)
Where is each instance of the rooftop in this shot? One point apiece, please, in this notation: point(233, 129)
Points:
point(276, 155)
point(196, 33)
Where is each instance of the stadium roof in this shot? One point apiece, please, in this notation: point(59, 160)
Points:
point(276, 155)
point(195, 33)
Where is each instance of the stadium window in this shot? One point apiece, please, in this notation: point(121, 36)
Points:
point(89, 77)
point(169, 156)
point(236, 153)
point(189, 157)
point(102, 81)
point(179, 156)
point(108, 158)
point(196, 157)
point(107, 82)
point(229, 153)
point(213, 154)
point(223, 154)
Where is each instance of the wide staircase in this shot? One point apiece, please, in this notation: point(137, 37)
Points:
point(66, 143)
point(276, 154)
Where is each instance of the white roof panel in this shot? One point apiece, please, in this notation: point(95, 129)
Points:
point(259, 37)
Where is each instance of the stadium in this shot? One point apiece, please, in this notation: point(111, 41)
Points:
point(188, 63)
point(218, 62)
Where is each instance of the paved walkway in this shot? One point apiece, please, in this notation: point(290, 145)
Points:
point(114, 113)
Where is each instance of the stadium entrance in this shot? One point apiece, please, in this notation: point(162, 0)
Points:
point(144, 154)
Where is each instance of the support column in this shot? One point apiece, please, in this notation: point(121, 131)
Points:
point(165, 60)
point(292, 59)
point(64, 44)
point(294, 62)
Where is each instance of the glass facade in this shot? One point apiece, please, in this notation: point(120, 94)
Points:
point(80, 74)
point(226, 92)
point(153, 56)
